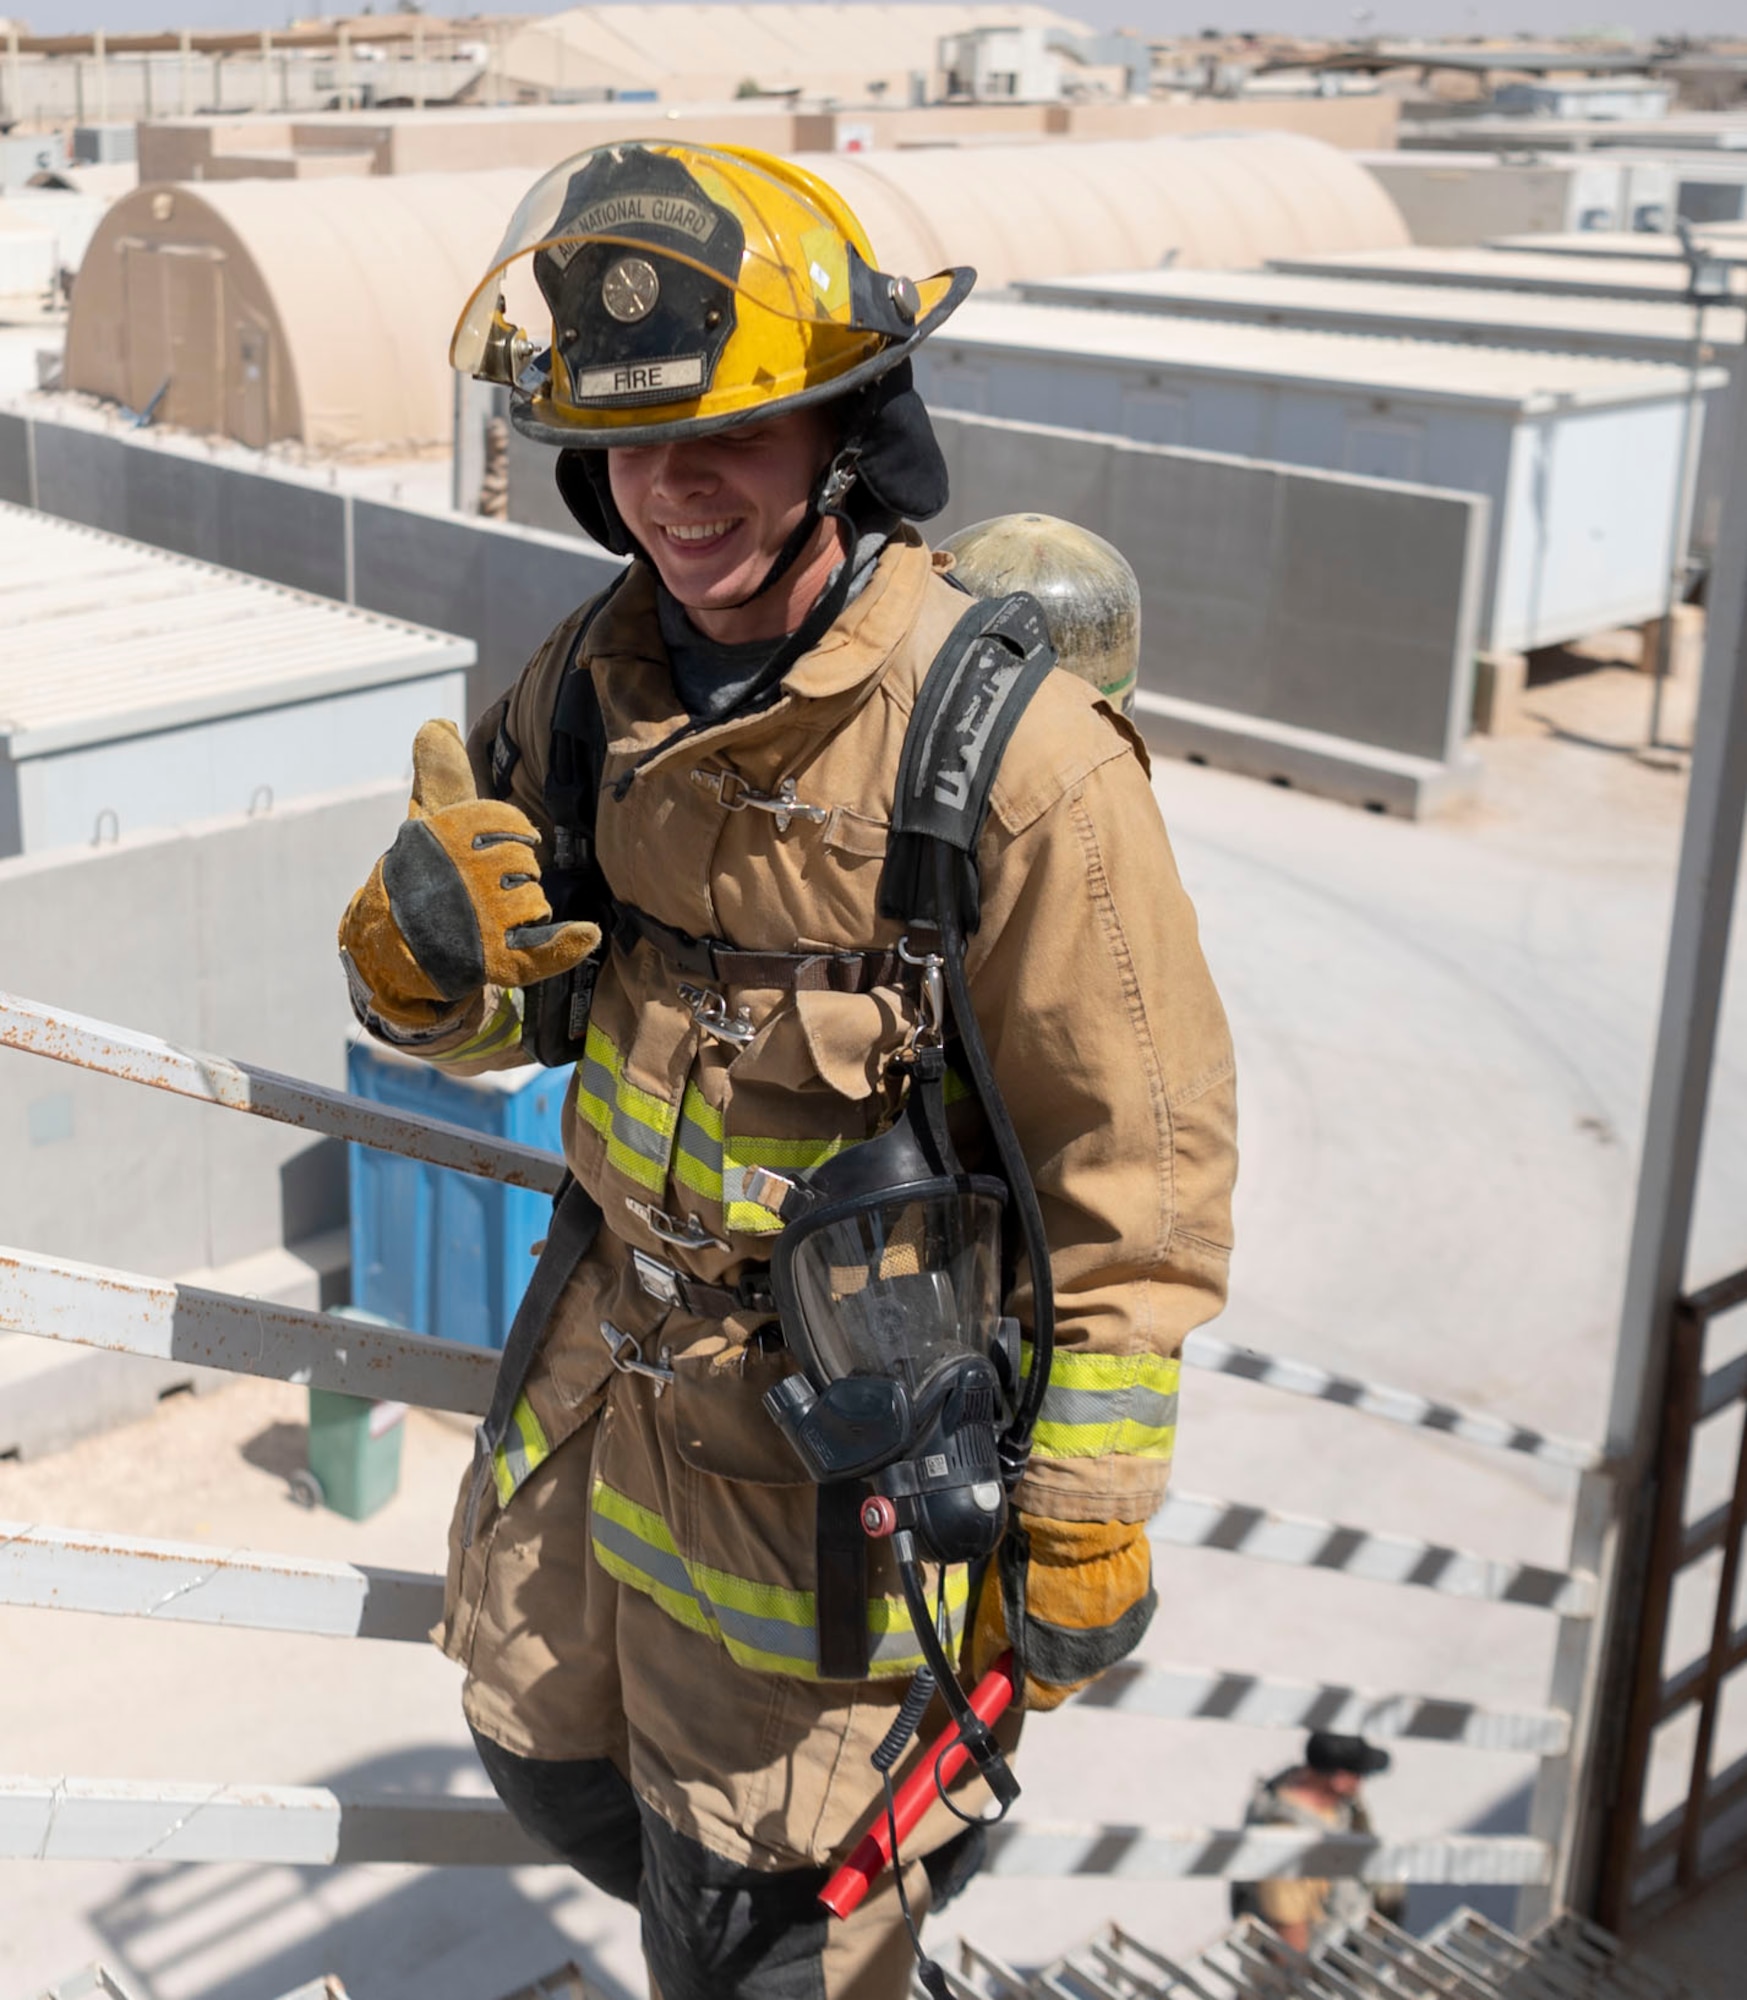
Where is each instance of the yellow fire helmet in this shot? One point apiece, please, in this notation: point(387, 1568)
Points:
point(686, 288)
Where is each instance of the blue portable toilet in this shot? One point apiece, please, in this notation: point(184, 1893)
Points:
point(434, 1250)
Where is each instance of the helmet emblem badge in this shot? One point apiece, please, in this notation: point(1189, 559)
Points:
point(630, 289)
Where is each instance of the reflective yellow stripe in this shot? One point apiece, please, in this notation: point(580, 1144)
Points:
point(714, 1165)
point(524, 1450)
point(645, 1141)
point(763, 1626)
point(502, 1031)
point(636, 1125)
point(1099, 1404)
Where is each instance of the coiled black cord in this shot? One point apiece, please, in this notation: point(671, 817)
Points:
point(908, 1720)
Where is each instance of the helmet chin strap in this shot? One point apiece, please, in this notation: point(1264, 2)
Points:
point(802, 532)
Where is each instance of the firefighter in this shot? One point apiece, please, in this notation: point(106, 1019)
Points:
point(669, 855)
point(1323, 1793)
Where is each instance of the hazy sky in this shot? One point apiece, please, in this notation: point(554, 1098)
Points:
point(1164, 17)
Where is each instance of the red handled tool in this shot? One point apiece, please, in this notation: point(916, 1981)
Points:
point(990, 1698)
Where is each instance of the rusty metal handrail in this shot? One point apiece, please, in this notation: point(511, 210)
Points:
point(122, 1312)
point(93, 1307)
point(41, 1030)
point(78, 1569)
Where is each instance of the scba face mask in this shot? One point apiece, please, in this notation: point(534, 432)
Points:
point(888, 1279)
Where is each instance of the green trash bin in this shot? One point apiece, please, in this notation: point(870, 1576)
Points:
point(354, 1446)
point(354, 1453)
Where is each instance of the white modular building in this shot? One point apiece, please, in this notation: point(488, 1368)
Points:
point(1560, 322)
point(1598, 97)
point(139, 689)
point(1579, 456)
point(1449, 199)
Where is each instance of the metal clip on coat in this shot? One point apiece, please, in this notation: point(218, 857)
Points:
point(782, 805)
point(627, 1353)
point(710, 1011)
point(689, 1234)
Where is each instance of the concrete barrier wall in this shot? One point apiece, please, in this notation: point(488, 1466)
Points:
point(1284, 598)
point(502, 588)
point(218, 936)
point(1316, 600)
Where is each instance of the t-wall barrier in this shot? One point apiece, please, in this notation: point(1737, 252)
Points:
point(58, 1815)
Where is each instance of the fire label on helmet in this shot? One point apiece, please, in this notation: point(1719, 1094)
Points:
point(642, 380)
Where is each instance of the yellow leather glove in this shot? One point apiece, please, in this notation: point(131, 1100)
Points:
point(1080, 1595)
point(456, 901)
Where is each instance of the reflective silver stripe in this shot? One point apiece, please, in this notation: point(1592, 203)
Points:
point(637, 1125)
point(783, 1639)
point(662, 1566)
point(1136, 1405)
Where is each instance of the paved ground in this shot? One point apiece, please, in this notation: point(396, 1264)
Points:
point(1444, 1037)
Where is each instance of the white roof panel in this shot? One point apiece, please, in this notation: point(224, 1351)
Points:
point(106, 638)
point(1644, 244)
point(1510, 270)
point(1426, 370)
point(1519, 316)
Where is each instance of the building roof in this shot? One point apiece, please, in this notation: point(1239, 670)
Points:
point(1677, 132)
point(1232, 199)
point(1653, 246)
point(1442, 310)
point(1502, 270)
point(107, 638)
point(1448, 55)
point(1529, 380)
point(684, 52)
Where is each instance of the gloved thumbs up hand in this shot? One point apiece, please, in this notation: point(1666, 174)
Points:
point(456, 901)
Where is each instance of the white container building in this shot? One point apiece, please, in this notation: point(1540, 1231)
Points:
point(1452, 198)
point(1616, 329)
point(139, 689)
point(1599, 97)
point(1705, 187)
point(1579, 456)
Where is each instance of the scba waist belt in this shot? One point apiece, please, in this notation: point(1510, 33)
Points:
point(724, 965)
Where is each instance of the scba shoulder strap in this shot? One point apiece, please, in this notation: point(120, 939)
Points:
point(978, 686)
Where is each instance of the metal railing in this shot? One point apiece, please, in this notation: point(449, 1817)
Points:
point(46, 1566)
point(1650, 1866)
point(1465, 1958)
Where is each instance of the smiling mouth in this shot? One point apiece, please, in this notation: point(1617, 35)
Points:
point(692, 534)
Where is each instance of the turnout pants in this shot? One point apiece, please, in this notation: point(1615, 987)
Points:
point(715, 1797)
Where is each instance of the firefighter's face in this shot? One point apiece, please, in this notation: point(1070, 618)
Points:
point(714, 512)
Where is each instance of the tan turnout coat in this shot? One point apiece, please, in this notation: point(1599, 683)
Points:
point(639, 1581)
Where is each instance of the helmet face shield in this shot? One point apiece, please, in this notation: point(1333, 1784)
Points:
point(655, 289)
point(900, 1286)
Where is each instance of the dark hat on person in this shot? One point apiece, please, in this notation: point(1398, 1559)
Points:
point(1328, 1752)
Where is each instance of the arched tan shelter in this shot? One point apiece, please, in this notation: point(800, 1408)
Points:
point(1226, 202)
point(320, 311)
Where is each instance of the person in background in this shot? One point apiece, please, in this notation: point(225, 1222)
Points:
point(1324, 1793)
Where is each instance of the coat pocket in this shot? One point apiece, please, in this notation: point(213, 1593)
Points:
point(720, 1424)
